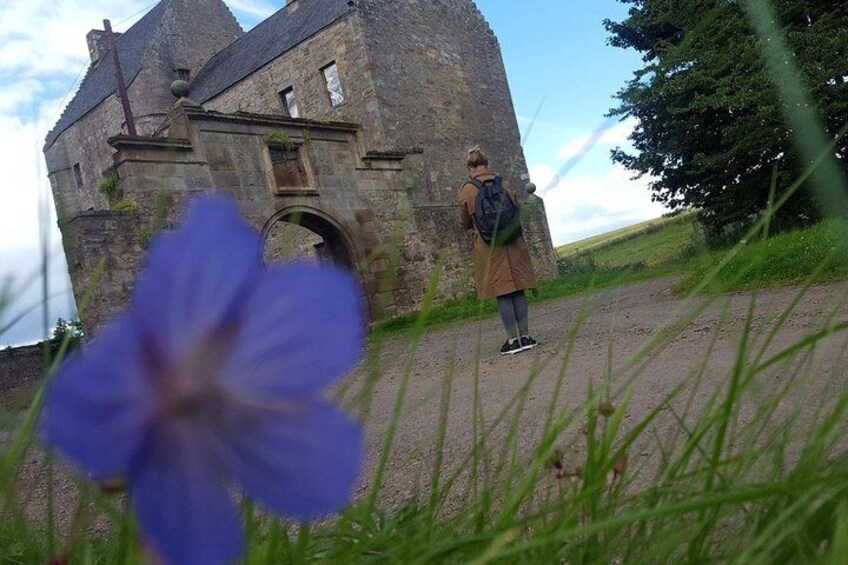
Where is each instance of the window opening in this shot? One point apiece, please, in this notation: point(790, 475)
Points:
point(78, 175)
point(334, 84)
point(290, 102)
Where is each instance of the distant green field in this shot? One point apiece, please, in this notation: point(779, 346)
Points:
point(649, 244)
point(596, 242)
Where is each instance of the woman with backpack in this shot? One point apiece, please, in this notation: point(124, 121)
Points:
point(502, 266)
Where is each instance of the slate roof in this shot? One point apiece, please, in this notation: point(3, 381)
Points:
point(99, 82)
point(264, 43)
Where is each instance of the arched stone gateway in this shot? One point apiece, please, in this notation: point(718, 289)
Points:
point(311, 234)
point(305, 233)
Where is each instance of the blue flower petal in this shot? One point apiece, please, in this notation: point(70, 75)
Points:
point(99, 406)
point(196, 277)
point(182, 505)
point(303, 329)
point(301, 460)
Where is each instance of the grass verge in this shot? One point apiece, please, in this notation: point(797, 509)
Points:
point(783, 259)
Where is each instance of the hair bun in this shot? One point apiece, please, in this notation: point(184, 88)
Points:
point(476, 157)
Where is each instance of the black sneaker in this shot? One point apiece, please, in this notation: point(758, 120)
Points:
point(511, 348)
point(528, 342)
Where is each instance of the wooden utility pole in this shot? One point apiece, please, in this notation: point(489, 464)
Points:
point(119, 79)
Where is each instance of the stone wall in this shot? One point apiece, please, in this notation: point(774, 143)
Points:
point(300, 69)
point(441, 86)
point(21, 373)
point(83, 144)
point(104, 252)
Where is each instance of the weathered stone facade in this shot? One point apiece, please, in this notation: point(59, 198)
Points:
point(375, 177)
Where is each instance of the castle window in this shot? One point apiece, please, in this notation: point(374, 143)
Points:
point(78, 175)
point(334, 84)
point(290, 102)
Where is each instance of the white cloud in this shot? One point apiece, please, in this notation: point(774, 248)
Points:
point(581, 205)
point(22, 92)
point(27, 216)
point(612, 137)
point(48, 36)
point(23, 269)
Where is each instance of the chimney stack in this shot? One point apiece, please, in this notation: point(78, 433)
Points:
point(96, 39)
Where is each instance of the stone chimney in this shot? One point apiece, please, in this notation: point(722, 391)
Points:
point(96, 39)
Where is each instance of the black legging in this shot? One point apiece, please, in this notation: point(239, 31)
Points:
point(513, 309)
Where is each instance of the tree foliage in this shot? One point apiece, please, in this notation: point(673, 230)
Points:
point(67, 329)
point(712, 129)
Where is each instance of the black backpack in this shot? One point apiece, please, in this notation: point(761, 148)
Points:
point(496, 215)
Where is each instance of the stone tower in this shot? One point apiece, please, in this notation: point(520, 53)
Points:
point(348, 118)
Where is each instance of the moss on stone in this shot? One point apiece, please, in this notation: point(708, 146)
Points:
point(280, 138)
point(125, 206)
point(109, 185)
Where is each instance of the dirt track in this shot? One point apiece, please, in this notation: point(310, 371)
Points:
point(616, 325)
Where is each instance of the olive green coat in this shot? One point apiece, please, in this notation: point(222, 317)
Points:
point(497, 270)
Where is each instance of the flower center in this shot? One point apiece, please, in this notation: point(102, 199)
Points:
point(193, 386)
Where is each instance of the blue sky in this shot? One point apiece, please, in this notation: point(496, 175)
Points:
point(557, 62)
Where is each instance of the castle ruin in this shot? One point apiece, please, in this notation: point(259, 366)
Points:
point(349, 119)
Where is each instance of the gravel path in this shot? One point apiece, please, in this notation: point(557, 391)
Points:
point(615, 325)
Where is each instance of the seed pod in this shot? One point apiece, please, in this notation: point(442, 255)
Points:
point(619, 467)
point(606, 408)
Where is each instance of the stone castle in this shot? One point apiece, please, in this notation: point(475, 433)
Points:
point(349, 119)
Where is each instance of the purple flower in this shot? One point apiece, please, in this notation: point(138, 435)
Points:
point(214, 378)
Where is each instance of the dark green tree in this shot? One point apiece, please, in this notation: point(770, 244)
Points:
point(712, 128)
point(67, 329)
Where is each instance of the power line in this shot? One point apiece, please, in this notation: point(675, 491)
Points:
point(128, 18)
point(76, 81)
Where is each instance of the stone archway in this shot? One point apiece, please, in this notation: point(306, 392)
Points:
point(307, 233)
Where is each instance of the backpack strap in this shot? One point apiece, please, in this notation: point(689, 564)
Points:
point(479, 184)
point(478, 200)
point(498, 181)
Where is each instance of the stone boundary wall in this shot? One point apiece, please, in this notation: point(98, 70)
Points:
point(21, 373)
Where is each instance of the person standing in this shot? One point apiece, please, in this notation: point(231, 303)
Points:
point(502, 266)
